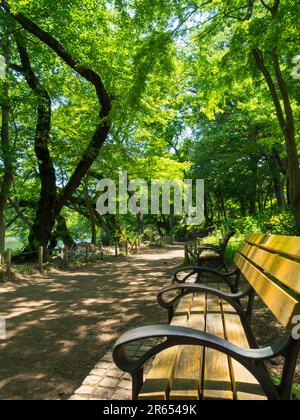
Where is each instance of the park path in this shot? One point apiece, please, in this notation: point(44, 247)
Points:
point(62, 325)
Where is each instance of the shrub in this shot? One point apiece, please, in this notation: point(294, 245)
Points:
point(276, 222)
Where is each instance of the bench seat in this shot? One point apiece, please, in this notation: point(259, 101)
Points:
point(192, 373)
point(209, 351)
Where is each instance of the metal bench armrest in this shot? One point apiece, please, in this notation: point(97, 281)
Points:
point(223, 276)
point(251, 359)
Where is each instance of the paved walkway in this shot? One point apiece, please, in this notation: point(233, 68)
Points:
point(106, 381)
point(61, 324)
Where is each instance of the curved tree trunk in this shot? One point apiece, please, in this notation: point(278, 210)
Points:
point(45, 218)
point(51, 209)
point(286, 121)
point(61, 233)
point(91, 213)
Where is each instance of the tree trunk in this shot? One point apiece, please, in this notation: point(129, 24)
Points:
point(243, 207)
point(279, 192)
point(140, 223)
point(286, 121)
point(268, 194)
point(7, 178)
point(44, 221)
point(222, 205)
point(211, 209)
point(63, 233)
point(20, 213)
point(206, 212)
point(50, 210)
point(90, 207)
point(252, 206)
point(253, 190)
point(276, 171)
point(292, 152)
point(259, 198)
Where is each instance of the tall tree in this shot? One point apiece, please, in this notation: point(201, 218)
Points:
point(7, 177)
point(50, 209)
point(286, 120)
point(41, 229)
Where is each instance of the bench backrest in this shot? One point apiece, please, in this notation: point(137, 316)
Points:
point(271, 264)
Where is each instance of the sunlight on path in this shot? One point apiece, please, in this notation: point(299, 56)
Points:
point(61, 325)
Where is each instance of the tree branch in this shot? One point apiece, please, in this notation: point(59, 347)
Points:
point(17, 68)
point(102, 130)
point(19, 212)
point(260, 63)
point(89, 74)
point(266, 6)
point(272, 9)
point(284, 93)
point(250, 10)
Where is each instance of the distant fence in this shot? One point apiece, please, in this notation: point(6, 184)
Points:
point(84, 251)
point(62, 254)
point(6, 259)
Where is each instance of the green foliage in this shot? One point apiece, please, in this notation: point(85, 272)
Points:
point(151, 236)
point(273, 222)
point(188, 102)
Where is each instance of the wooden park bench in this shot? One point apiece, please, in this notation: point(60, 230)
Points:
point(209, 255)
point(209, 350)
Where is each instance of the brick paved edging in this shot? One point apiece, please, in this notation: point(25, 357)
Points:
point(106, 381)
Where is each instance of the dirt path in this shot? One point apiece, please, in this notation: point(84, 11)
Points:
point(59, 326)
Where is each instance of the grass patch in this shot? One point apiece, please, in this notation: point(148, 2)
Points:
point(295, 390)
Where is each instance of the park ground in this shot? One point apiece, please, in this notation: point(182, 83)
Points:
point(61, 324)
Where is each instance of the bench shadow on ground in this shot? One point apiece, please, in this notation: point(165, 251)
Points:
point(58, 330)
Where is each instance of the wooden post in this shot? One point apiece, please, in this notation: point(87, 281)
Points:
point(41, 258)
point(66, 256)
point(136, 246)
point(116, 247)
point(126, 247)
point(87, 246)
point(186, 254)
point(8, 263)
point(1, 259)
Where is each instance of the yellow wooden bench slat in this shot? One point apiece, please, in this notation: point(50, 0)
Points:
point(217, 379)
point(283, 305)
point(283, 269)
point(187, 375)
point(255, 238)
point(244, 383)
point(288, 246)
point(157, 384)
